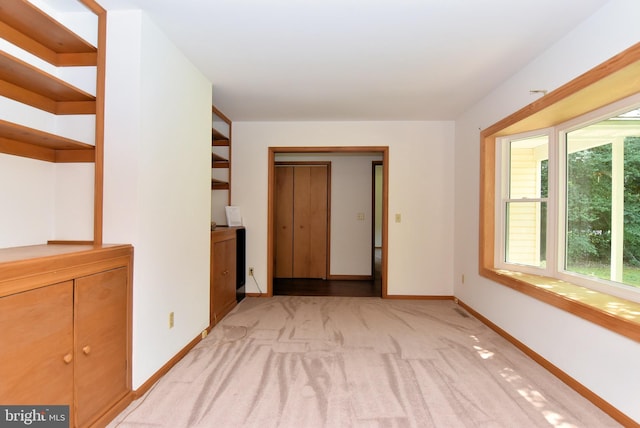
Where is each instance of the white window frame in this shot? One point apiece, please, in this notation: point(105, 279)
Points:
point(556, 202)
point(502, 190)
point(602, 285)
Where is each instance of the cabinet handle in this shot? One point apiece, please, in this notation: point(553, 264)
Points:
point(67, 358)
point(86, 350)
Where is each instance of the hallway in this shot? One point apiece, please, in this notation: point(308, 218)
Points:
point(342, 288)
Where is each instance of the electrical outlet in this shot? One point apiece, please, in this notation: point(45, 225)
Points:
point(250, 271)
point(171, 319)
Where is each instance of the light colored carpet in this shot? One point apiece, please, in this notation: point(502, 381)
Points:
point(357, 362)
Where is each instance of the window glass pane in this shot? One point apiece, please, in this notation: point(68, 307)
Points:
point(602, 200)
point(526, 233)
point(527, 174)
point(526, 206)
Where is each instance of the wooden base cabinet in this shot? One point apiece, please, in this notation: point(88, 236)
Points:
point(65, 331)
point(223, 273)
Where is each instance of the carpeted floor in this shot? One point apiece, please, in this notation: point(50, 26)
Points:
point(304, 362)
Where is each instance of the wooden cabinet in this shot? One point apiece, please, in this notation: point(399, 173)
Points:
point(65, 314)
point(65, 329)
point(223, 273)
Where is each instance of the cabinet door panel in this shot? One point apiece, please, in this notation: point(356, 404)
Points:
point(230, 286)
point(36, 337)
point(218, 266)
point(101, 342)
point(223, 265)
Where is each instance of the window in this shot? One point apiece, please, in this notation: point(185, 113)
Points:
point(569, 204)
point(602, 215)
point(566, 107)
point(523, 208)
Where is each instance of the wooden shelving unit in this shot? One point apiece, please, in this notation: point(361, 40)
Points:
point(24, 80)
point(24, 25)
point(218, 139)
point(57, 281)
point(27, 142)
point(218, 161)
point(221, 143)
point(30, 85)
point(35, 32)
point(32, 30)
point(219, 184)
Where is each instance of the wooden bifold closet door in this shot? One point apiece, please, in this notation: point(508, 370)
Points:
point(301, 221)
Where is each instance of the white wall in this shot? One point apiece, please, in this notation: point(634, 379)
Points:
point(420, 189)
point(157, 184)
point(603, 361)
point(27, 191)
point(351, 191)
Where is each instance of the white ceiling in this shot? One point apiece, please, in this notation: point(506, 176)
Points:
point(359, 59)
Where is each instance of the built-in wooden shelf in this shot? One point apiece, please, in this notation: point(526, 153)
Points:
point(219, 184)
point(32, 143)
point(218, 139)
point(28, 27)
point(218, 161)
point(27, 84)
point(221, 135)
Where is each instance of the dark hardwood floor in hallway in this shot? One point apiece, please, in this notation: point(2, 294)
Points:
point(321, 287)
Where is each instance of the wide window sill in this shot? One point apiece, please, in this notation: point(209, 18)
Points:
point(613, 313)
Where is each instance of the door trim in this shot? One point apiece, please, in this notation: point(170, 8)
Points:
point(384, 150)
point(374, 217)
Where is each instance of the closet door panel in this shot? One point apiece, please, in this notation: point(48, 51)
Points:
point(318, 220)
point(301, 223)
point(283, 222)
point(310, 222)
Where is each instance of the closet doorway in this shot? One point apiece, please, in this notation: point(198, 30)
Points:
point(280, 154)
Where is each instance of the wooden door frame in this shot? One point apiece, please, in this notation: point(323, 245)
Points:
point(374, 165)
point(273, 151)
